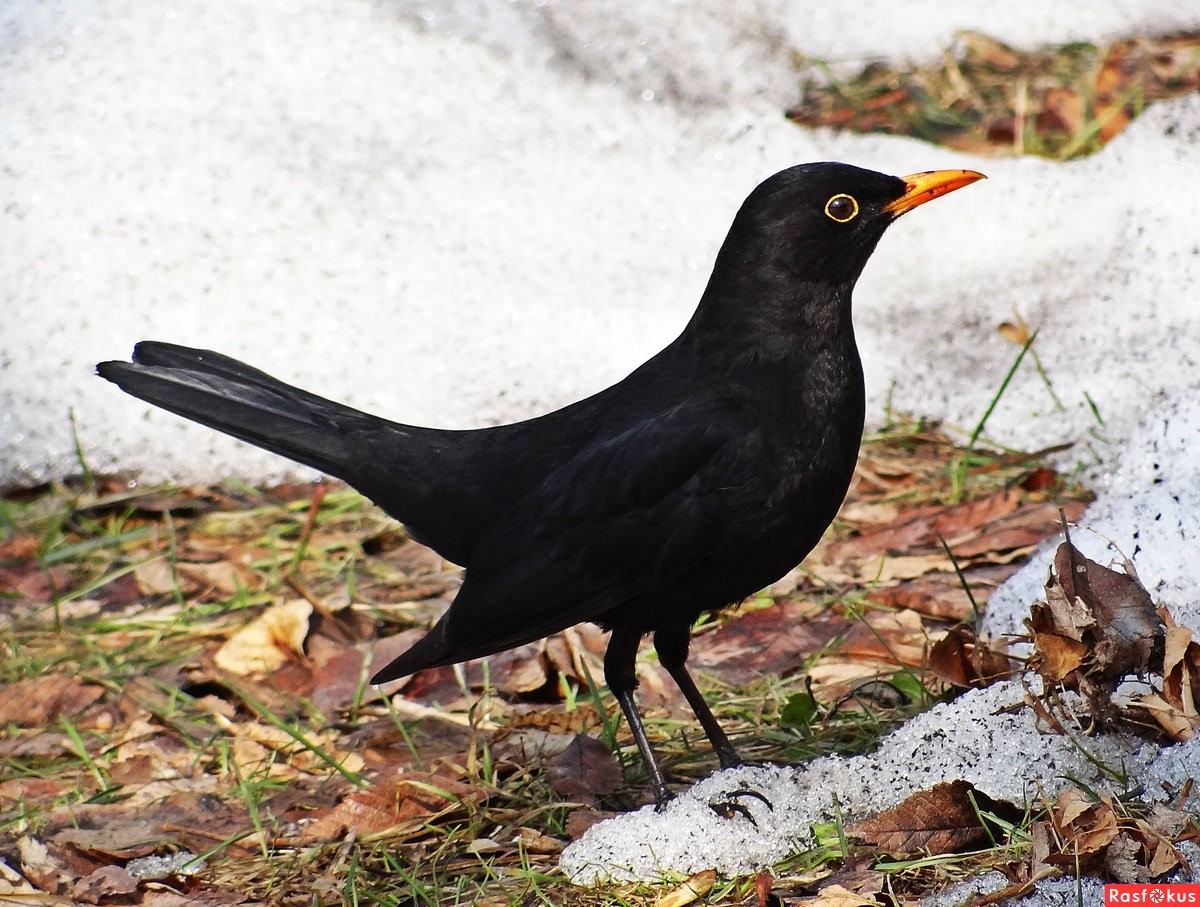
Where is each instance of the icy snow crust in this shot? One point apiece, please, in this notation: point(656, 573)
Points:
point(463, 213)
point(1003, 753)
point(408, 222)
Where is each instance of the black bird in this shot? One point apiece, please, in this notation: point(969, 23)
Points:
point(700, 478)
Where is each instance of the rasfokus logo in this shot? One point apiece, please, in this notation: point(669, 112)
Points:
point(1152, 894)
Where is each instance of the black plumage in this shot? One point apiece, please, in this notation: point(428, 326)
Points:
point(700, 478)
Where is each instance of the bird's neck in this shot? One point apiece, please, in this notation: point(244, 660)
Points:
point(771, 326)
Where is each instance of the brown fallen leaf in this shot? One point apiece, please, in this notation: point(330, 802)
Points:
point(898, 637)
point(774, 640)
point(942, 819)
point(585, 771)
point(696, 887)
point(926, 525)
point(580, 820)
point(1084, 828)
point(534, 841)
point(400, 798)
point(40, 701)
point(203, 581)
point(104, 883)
point(961, 659)
point(1131, 631)
point(763, 883)
point(837, 896)
point(940, 594)
point(41, 867)
point(1063, 110)
point(267, 642)
point(1096, 626)
point(31, 582)
point(1181, 668)
point(557, 720)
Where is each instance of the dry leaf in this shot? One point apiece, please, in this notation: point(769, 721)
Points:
point(401, 798)
point(104, 883)
point(1096, 624)
point(898, 637)
point(942, 819)
point(41, 867)
point(534, 841)
point(267, 642)
point(580, 820)
point(774, 640)
point(1085, 828)
point(690, 891)
point(1181, 667)
point(837, 896)
point(959, 658)
point(1015, 331)
point(584, 771)
point(40, 701)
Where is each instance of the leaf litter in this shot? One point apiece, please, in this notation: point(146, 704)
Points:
point(197, 673)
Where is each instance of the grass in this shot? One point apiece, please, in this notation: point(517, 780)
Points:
point(141, 584)
point(1060, 102)
point(131, 589)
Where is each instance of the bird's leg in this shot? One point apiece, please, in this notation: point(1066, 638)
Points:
point(619, 675)
point(671, 643)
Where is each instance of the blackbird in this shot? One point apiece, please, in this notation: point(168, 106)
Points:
point(703, 476)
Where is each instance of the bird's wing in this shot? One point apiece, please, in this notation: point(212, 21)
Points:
point(624, 518)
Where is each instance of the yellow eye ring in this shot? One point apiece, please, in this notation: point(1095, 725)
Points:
point(841, 208)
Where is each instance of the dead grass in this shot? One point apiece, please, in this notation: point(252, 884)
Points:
point(301, 784)
point(981, 96)
point(122, 735)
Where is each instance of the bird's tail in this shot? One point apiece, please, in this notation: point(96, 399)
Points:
point(241, 401)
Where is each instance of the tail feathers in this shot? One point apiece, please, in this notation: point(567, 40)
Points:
point(207, 362)
point(430, 651)
point(241, 401)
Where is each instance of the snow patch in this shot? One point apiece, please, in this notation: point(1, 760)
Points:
point(978, 738)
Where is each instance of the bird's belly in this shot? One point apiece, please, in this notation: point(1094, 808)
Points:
point(769, 535)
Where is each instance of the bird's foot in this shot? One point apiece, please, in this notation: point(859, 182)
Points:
point(661, 799)
point(727, 806)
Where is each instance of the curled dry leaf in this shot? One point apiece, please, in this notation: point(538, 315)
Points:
point(1095, 835)
point(1084, 828)
point(102, 884)
point(943, 819)
point(1181, 667)
point(690, 891)
point(961, 659)
point(1015, 331)
point(267, 642)
point(1096, 624)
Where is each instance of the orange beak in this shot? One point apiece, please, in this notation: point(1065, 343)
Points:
point(923, 187)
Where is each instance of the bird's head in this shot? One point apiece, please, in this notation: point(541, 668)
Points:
point(820, 222)
point(799, 243)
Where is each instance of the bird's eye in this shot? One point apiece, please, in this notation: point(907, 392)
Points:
point(842, 208)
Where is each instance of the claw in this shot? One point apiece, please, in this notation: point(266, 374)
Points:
point(727, 806)
point(749, 792)
point(727, 809)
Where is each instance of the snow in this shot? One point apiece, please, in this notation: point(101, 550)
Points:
point(717, 52)
point(404, 220)
point(459, 213)
point(1147, 514)
point(1004, 753)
